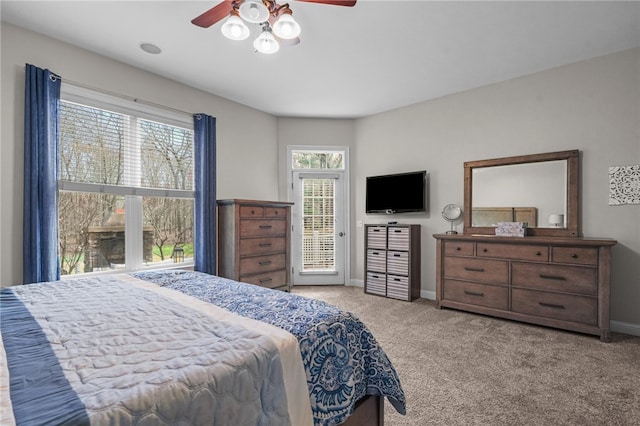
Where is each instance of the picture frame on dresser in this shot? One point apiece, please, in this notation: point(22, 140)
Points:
point(552, 277)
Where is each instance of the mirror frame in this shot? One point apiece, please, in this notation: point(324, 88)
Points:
point(572, 215)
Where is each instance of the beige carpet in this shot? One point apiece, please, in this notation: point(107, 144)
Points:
point(458, 368)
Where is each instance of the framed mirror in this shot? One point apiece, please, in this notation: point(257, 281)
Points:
point(539, 189)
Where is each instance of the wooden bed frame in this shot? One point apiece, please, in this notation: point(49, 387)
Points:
point(369, 411)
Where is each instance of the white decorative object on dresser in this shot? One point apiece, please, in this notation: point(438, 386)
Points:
point(392, 261)
point(549, 276)
point(253, 242)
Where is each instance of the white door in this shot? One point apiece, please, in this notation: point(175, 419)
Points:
point(318, 236)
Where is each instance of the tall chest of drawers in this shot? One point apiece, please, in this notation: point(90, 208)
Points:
point(555, 282)
point(392, 261)
point(254, 242)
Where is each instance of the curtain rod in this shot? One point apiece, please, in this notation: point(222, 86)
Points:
point(120, 95)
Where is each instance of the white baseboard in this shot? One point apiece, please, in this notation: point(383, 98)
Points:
point(625, 328)
point(431, 295)
point(356, 283)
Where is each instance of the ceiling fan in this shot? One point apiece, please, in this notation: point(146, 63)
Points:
point(272, 18)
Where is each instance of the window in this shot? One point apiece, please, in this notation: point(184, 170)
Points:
point(125, 189)
point(317, 160)
point(318, 219)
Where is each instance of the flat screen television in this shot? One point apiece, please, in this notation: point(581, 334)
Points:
point(397, 193)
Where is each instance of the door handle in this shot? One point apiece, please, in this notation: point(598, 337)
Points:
point(340, 234)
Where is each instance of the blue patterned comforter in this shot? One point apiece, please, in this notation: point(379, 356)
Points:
point(342, 359)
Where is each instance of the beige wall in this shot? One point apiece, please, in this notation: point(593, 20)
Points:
point(593, 106)
point(247, 153)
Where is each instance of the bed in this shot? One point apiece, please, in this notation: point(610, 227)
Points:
point(183, 347)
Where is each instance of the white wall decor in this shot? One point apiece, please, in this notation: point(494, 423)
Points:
point(624, 185)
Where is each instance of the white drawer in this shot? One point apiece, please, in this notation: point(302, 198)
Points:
point(377, 237)
point(398, 262)
point(376, 284)
point(398, 238)
point(377, 260)
point(398, 287)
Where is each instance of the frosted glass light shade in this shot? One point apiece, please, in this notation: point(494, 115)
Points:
point(266, 43)
point(235, 29)
point(286, 27)
point(254, 11)
point(556, 220)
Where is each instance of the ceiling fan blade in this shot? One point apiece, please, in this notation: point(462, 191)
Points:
point(348, 3)
point(214, 14)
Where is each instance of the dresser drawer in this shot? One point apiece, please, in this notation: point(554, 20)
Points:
point(398, 238)
point(490, 296)
point(377, 237)
point(377, 260)
point(376, 284)
point(458, 248)
point(484, 270)
point(581, 309)
point(251, 211)
point(575, 255)
point(258, 264)
point(269, 279)
point(262, 227)
point(398, 262)
point(567, 279)
point(514, 251)
point(253, 246)
point(275, 212)
point(398, 287)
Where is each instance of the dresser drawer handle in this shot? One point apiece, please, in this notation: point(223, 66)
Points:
point(552, 277)
point(374, 276)
point(266, 226)
point(474, 293)
point(397, 230)
point(375, 252)
point(265, 244)
point(396, 255)
point(484, 250)
point(265, 280)
point(458, 248)
point(264, 263)
point(467, 268)
point(551, 305)
point(397, 279)
point(538, 253)
point(573, 255)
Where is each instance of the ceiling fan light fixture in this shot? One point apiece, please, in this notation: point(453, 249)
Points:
point(266, 43)
point(234, 28)
point(254, 11)
point(286, 27)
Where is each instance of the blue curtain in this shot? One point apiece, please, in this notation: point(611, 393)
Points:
point(40, 227)
point(204, 129)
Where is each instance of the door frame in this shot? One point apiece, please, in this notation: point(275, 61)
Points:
point(347, 194)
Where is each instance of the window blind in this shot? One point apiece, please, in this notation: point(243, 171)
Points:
point(111, 152)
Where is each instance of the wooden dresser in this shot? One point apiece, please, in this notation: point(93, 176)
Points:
point(392, 261)
point(254, 242)
point(551, 281)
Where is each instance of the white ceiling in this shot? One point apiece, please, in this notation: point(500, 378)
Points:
point(351, 62)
